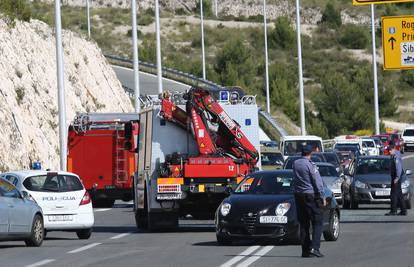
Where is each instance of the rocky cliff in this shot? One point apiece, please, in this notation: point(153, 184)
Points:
point(28, 91)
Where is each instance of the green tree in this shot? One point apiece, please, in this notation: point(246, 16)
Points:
point(354, 37)
point(15, 9)
point(147, 51)
point(331, 16)
point(207, 8)
point(283, 36)
point(234, 63)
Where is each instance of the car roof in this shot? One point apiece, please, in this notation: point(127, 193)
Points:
point(300, 137)
point(284, 171)
point(29, 173)
point(373, 157)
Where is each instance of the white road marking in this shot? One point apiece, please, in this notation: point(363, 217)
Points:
point(408, 157)
point(239, 257)
point(255, 256)
point(98, 210)
point(40, 263)
point(120, 236)
point(84, 248)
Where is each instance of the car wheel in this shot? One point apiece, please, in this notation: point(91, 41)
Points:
point(332, 233)
point(84, 233)
point(103, 203)
point(37, 233)
point(224, 240)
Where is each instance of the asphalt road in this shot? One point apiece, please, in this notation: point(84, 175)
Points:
point(147, 82)
point(368, 238)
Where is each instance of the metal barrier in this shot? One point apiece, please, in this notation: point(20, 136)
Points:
point(189, 79)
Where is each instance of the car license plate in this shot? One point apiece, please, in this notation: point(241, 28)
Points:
point(273, 219)
point(60, 218)
point(170, 196)
point(382, 193)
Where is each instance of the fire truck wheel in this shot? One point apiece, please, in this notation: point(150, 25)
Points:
point(84, 233)
point(141, 219)
point(103, 203)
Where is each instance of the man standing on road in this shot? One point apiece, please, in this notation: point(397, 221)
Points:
point(397, 198)
point(309, 198)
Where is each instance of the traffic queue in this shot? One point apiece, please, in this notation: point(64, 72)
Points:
point(264, 205)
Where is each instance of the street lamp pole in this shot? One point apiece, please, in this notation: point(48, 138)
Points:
point(61, 87)
point(301, 93)
point(374, 70)
point(135, 55)
point(266, 59)
point(88, 15)
point(157, 33)
point(202, 40)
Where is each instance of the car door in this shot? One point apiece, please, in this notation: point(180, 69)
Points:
point(19, 211)
point(4, 214)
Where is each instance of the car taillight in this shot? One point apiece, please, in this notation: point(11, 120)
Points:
point(86, 199)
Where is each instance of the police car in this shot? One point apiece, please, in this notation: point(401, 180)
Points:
point(66, 204)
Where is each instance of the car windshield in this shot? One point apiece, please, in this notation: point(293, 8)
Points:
point(395, 137)
point(332, 158)
point(409, 132)
point(271, 159)
point(346, 147)
point(369, 143)
point(290, 160)
point(53, 183)
point(373, 165)
point(295, 146)
point(377, 141)
point(327, 171)
point(274, 183)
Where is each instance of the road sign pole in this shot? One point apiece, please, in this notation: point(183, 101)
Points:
point(88, 15)
point(266, 59)
point(374, 70)
point(135, 54)
point(216, 8)
point(61, 87)
point(202, 40)
point(301, 93)
point(157, 30)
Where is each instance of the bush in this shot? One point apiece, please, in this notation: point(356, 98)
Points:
point(283, 36)
point(207, 8)
point(15, 9)
point(354, 37)
point(331, 16)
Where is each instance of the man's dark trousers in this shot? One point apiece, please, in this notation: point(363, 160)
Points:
point(308, 212)
point(397, 199)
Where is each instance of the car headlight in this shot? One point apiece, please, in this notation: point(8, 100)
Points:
point(360, 184)
point(282, 208)
point(225, 209)
point(405, 184)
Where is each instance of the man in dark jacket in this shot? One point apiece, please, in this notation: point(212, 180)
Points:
point(397, 199)
point(309, 198)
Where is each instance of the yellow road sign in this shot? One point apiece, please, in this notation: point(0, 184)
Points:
point(398, 42)
point(367, 2)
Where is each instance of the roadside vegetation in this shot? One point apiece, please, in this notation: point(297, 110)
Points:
point(336, 58)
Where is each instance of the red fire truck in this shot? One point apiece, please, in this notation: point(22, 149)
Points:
point(102, 151)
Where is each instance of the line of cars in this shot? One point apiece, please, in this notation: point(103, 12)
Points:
point(35, 202)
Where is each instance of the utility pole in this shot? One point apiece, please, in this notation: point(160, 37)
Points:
point(301, 93)
point(216, 8)
point(157, 33)
point(135, 54)
point(89, 18)
point(61, 88)
point(203, 55)
point(374, 70)
point(266, 59)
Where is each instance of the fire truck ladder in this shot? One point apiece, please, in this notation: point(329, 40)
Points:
point(120, 160)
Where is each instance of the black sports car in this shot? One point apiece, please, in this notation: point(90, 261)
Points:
point(263, 207)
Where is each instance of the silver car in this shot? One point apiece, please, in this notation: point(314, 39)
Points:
point(20, 217)
point(331, 178)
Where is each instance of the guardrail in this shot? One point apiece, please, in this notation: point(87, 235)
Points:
point(185, 78)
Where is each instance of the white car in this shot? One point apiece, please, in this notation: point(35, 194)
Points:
point(408, 138)
point(66, 204)
point(369, 147)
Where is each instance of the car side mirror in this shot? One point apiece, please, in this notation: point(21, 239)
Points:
point(228, 190)
point(408, 172)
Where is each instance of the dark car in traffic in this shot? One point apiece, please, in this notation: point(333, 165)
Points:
point(371, 182)
point(263, 207)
